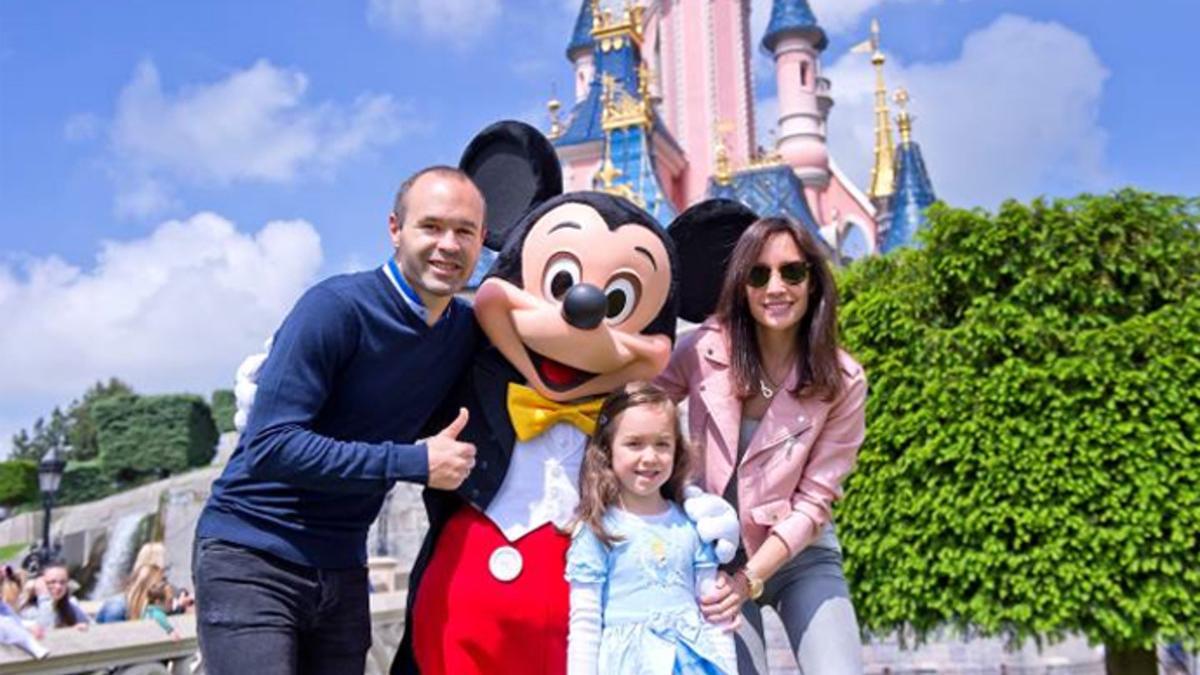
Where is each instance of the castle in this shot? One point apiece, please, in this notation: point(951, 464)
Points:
point(663, 114)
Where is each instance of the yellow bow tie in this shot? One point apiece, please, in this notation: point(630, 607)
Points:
point(532, 414)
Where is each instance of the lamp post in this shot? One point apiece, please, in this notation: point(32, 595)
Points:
point(50, 473)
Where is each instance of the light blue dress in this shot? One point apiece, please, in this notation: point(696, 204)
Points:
point(650, 617)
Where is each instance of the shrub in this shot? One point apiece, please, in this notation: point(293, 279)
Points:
point(85, 482)
point(1032, 462)
point(224, 405)
point(143, 437)
point(18, 482)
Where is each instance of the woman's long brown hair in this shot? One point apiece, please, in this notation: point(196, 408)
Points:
point(599, 489)
point(137, 595)
point(817, 337)
point(63, 613)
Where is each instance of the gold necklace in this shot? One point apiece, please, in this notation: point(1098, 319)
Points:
point(767, 390)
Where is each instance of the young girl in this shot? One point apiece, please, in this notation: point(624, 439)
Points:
point(636, 564)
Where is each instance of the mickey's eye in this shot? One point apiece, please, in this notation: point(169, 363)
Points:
point(562, 272)
point(621, 296)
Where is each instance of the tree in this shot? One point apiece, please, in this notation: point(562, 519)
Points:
point(31, 446)
point(224, 407)
point(74, 429)
point(83, 437)
point(1032, 461)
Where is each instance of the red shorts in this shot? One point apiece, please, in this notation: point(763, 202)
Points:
point(466, 621)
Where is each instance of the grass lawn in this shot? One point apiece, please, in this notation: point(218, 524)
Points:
point(10, 550)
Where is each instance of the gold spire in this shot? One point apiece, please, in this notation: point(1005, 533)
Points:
point(883, 177)
point(608, 173)
point(723, 168)
point(904, 119)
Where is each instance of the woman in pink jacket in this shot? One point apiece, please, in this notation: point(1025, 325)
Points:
point(776, 417)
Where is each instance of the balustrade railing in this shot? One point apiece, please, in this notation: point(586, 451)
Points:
point(142, 648)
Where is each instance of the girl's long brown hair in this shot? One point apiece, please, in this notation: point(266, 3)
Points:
point(817, 337)
point(599, 488)
point(63, 613)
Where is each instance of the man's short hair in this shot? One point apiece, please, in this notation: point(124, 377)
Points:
point(399, 206)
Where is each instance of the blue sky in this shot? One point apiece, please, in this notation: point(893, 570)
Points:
point(172, 175)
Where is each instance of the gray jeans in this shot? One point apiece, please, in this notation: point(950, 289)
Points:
point(813, 601)
point(257, 614)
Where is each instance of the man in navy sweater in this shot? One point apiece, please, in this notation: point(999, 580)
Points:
point(356, 369)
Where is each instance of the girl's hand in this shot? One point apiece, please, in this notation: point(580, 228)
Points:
point(175, 636)
point(723, 605)
point(82, 627)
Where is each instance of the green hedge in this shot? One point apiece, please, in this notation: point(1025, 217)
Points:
point(18, 482)
point(145, 437)
point(224, 406)
point(85, 482)
point(1032, 461)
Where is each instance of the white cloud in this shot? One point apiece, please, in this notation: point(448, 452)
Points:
point(251, 126)
point(835, 16)
point(81, 127)
point(1015, 115)
point(174, 311)
point(457, 22)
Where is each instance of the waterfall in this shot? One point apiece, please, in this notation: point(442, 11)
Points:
point(118, 555)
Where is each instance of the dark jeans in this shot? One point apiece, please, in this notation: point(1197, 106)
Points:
point(259, 614)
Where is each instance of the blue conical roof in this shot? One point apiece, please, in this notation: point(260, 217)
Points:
point(914, 194)
point(792, 16)
point(581, 38)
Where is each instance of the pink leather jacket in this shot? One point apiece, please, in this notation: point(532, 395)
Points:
point(792, 470)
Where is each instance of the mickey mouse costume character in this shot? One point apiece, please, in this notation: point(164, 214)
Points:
point(581, 300)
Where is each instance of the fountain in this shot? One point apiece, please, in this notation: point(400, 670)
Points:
point(118, 555)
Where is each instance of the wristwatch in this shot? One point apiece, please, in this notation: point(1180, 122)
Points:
point(755, 584)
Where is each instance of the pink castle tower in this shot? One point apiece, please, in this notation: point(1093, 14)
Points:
point(664, 112)
point(796, 41)
point(701, 51)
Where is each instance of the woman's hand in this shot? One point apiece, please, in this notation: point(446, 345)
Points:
point(724, 604)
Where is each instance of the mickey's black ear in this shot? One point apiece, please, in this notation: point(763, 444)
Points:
point(516, 168)
point(705, 235)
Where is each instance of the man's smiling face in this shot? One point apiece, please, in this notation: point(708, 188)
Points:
point(440, 239)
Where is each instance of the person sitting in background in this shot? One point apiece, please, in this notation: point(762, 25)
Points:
point(12, 631)
point(116, 607)
point(158, 598)
point(50, 604)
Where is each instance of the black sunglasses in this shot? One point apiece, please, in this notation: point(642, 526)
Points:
point(793, 274)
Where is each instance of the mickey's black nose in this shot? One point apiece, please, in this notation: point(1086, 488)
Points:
point(583, 306)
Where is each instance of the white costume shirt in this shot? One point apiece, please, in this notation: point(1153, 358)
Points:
point(542, 484)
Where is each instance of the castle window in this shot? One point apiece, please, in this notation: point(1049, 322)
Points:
point(804, 73)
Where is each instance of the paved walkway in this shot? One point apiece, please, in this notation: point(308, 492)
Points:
point(948, 655)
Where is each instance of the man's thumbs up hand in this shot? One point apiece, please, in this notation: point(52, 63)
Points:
point(450, 460)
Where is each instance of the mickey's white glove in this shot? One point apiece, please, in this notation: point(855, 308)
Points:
point(246, 385)
point(715, 519)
